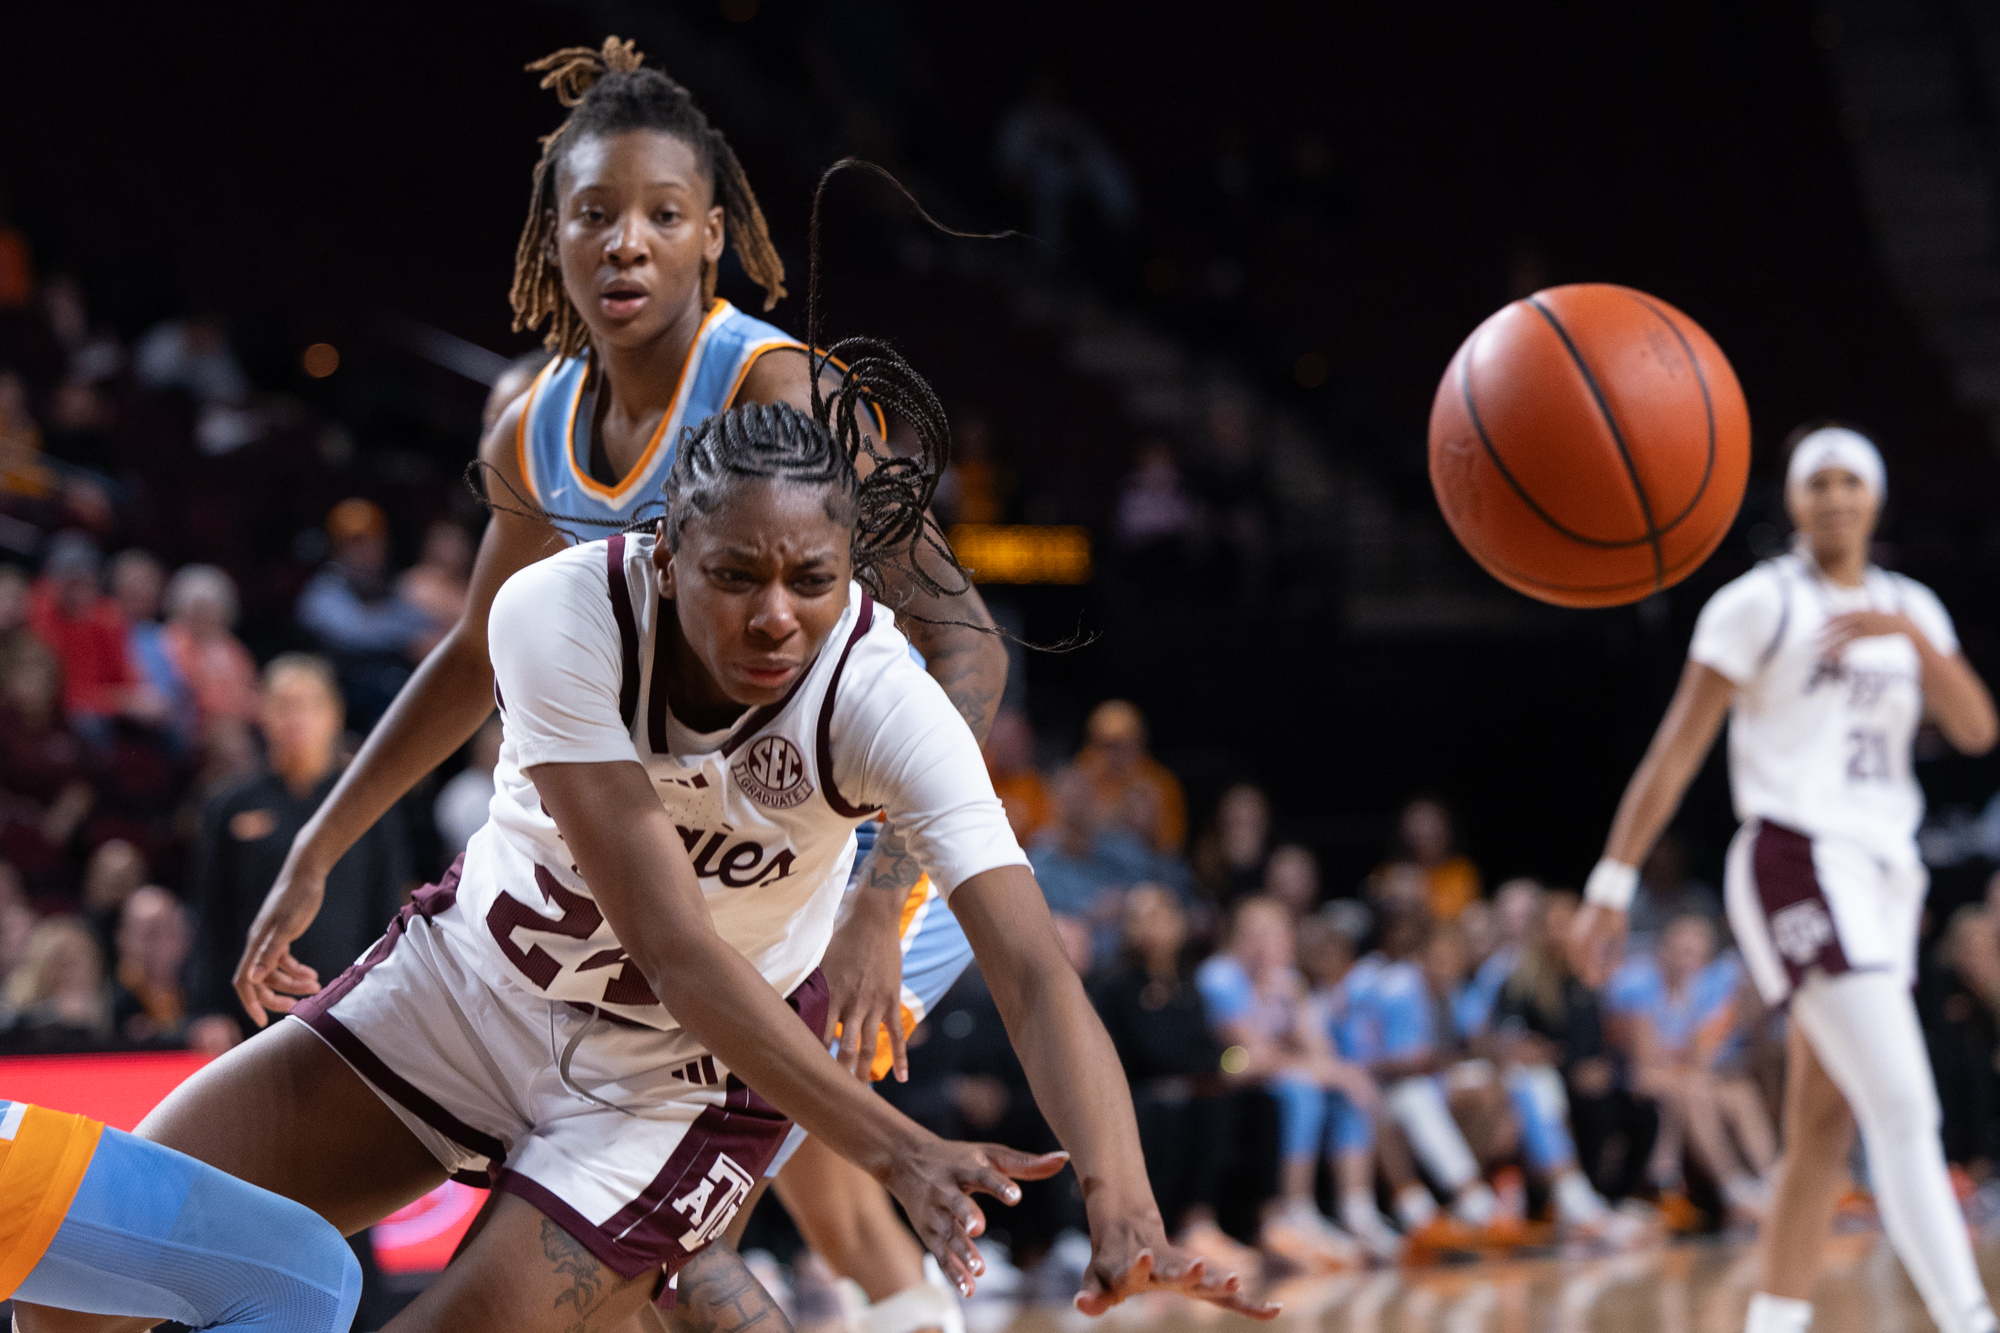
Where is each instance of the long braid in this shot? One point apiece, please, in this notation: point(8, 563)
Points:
point(611, 91)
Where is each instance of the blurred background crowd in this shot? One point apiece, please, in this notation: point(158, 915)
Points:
point(1308, 799)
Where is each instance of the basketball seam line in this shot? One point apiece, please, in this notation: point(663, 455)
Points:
point(1493, 454)
point(1617, 438)
point(1707, 407)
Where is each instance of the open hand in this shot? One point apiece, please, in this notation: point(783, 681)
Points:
point(935, 1184)
point(1845, 629)
point(1130, 1255)
point(268, 978)
point(864, 978)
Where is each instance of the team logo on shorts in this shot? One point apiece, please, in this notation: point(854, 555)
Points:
point(1801, 931)
point(774, 773)
point(713, 1201)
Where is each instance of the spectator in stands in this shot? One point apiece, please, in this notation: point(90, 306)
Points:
point(1010, 762)
point(1229, 478)
point(1666, 891)
point(57, 994)
point(67, 611)
point(1426, 838)
point(1229, 862)
point(1156, 514)
point(461, 805)
point(194, 357)
point(1256, 1003)
point(1052, 154)
point(14, 632)
point(246, 832)
point(371, 634)
point(45, 794)
point(137, 581)
point(1517, 909)
point(1327, 955)
point(1956, 996)
point(91, 353)
point(1131, 787)
point(221, 674)
point(116, 870)
point(1153, 1011)
point(149, 1000)
point(1685, 1010)
point(1083, 867)
point(1547, 1035)
point(1401, 1039)
point(1291, 877)
point(436, 585)
point(17, 267)
point(22, 471)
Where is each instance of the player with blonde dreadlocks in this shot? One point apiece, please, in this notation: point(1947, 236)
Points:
point(634, 199)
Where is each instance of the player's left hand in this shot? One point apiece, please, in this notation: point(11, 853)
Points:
point(1845, 629)
point(1131, 1255)
point(864, 978)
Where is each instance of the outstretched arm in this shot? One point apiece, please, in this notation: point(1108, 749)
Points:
point(1081, 1089)
point(436, 712)
point(1680, 745)
point(639, 873)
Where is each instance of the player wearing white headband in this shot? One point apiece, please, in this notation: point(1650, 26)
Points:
point(1824, 665)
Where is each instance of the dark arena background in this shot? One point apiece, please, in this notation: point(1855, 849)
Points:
point(1189, 399)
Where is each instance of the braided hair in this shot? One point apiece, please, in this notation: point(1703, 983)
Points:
point(611, 92)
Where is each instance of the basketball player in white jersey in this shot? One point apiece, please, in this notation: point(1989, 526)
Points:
point(1824, 665)
point(694, 724)
point(634, 198)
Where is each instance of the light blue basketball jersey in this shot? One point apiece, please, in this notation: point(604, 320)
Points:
point(553, 447)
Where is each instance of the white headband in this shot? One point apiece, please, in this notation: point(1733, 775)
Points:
point(1837, 446)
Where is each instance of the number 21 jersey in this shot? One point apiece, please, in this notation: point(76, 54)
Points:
point(1822, 743)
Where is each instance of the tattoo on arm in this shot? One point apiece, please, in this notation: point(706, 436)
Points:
point(966, 684)
point(573, 1260)
point(892, 867)
point(717, 1293)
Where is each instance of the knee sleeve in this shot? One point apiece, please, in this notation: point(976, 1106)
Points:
point(1542, 1106)
point(1419, 1107)
point(153, 1233)
point(1302, 1108)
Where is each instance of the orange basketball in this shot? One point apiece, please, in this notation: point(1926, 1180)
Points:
point(1589, 445)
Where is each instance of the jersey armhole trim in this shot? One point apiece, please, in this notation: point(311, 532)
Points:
point(521, 429)
point(823, 746)
point(1784, 621)
point(628, 629)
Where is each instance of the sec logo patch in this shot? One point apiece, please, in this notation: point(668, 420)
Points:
point(774, 773)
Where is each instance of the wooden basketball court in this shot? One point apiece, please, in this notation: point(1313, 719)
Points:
point(1690, 1287)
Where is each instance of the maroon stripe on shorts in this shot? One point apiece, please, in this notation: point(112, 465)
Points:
point(628, 629)
point(1797, 916)
point(314, 1012)
point(695, 1191)
point(824, 749)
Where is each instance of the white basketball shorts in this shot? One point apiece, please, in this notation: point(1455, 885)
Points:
point(1799, 905)
point(638, 1142)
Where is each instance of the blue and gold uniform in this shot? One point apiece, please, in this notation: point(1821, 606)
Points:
point(552, 441)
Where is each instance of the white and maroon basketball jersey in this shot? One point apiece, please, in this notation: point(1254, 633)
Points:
point(766, 808)
point(1822, 745)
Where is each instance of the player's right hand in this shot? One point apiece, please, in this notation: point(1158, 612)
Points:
point(1596, 943)
point(935, 1184)
point(268, 979)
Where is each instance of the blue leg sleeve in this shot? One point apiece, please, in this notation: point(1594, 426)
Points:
point(1542, 1106)
point(1349, 1129)
point(156, 1234)
point(1302, 1107)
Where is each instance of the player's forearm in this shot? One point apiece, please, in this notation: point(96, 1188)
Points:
point(1957, 700)
point(726, 1005)
point(444, 703)
point(1074, 1072)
